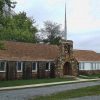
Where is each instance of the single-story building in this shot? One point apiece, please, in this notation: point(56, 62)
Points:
point(20, 60)
point(89, 61)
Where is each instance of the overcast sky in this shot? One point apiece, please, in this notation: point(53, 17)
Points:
point(83, 18)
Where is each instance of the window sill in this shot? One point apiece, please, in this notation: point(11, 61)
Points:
point(34, 70)
point(2, 71)
point(19, 71)
point(47, 70)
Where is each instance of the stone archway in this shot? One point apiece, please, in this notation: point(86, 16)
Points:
point(67, 70)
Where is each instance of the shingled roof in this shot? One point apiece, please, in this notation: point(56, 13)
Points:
point(40, 52)
point(28, 51)
point(86, 55)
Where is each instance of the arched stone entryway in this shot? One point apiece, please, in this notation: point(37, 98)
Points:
point(67, 70)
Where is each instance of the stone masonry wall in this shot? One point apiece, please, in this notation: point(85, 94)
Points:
point(66, 55)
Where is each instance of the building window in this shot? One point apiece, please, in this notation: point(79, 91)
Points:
point(81, 66)
point(87, 66)
point(2, 66)
point(91, 66)
point(99, 66)
point(19, 66)
point(47, 66)
point(34, 67)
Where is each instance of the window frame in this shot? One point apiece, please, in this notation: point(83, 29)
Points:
point(35, 67)
point(97, 64)
point(5, 63)
point(87, 66)
point(17, 66)
point(99, 67)
point(48, 66)
point(81, 66)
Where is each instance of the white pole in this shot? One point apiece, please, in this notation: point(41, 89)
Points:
point(65, 24)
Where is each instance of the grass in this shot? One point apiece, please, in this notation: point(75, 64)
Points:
point(88, 91)
point(28, 82)
point(94, 75)
point(89, 76)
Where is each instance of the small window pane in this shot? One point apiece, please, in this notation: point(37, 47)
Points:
point(33, 66)
point(81, 66)
point(19, 67)
point(2, 66)
point(47, 66)
point(91, 66)
point(99, 66)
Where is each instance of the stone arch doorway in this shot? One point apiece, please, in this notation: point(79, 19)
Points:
point(67, 70)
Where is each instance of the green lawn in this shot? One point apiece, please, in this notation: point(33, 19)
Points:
point(28, 82)
point(88, 91)
point(94, 75)
point(89, 76)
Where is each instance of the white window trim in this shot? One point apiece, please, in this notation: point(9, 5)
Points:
point(35, 67)
point(95, 65)
point(91, 66)
point(81, 66)
point(21, 66)
point(4, 66)
point(99, 67)
point(87, 66)
point(49, 66)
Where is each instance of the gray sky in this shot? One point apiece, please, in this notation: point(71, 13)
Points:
point(83, 18)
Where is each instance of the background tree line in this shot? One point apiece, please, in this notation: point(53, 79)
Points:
point(19, 27)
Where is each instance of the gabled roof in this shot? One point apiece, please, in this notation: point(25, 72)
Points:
point(28, 51)
point(86, 55)
point(40, 52)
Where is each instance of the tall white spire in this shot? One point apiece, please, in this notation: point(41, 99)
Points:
point(65, 33)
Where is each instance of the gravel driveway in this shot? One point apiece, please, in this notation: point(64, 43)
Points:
point(25, 94)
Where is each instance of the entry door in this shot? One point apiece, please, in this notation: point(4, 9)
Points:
point(27, 70)
point(67, 70)
point(11, 72)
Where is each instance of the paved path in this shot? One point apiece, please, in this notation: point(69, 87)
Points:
point(24, 94)
point(47, 84)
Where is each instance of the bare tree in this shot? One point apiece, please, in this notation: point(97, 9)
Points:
point(52, 32)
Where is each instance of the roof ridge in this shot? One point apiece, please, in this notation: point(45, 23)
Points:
point(28, 43)
point(84, 50)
